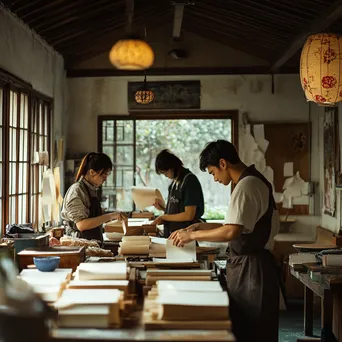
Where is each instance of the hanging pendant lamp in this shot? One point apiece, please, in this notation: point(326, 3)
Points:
point(131, 53)
point(144, 95)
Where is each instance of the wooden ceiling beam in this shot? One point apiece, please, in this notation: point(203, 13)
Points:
point(18, 7)
point(227, 40)
point(238, 17)
point(250, 70)
point(253, 10)
point(325, 19)
point(245, 34)
point(89, 32)
point(37, 9)
point(255, 31)
point(97, 24)
point(75, 15)
point(83, 51)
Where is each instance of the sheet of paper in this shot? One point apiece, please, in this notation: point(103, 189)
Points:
point(263, 145)
point(278, 197)
point(287, 202)
point(301, 200)
point(288, 169)
point(88, 296)
point(172, 261)
point(193, 298)
point(259, 133)
point(159, 241)
point(145, 197)
point(192, 286)
point(186, 252)
point(269, 174)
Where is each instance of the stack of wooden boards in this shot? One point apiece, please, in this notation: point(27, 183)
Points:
point(92, 299)
point(186, 305)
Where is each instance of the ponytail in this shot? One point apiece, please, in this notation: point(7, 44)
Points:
point(99, 162)
point(82, 170)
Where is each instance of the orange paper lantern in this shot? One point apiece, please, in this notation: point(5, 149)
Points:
point(321, 67)
point(131, 54)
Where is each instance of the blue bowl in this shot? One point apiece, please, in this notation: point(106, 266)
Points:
point(47, 264)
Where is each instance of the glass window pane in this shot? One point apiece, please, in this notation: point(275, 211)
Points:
point(41, 116)
point(12, 209)
point(108, 132)
point(25, 218)
point(13, 178)
point(22, 110)
point(124, 155)
point(46, 129)
point(124, 132)
point(20, 178)
point(25, 175)
point(109, 150)
point(20, 209)
point(13, 144)
point(26, 113)
point(14, 110)
point(26, 146)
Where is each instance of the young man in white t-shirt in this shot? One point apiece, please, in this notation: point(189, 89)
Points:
point(251, 223)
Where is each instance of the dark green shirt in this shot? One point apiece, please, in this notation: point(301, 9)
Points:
point(192, 194)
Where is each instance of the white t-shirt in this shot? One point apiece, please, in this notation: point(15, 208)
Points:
point(249, 202)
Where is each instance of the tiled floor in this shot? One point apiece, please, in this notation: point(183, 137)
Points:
point(291, 323)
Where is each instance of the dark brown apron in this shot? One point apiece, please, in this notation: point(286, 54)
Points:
point(252, 279)
point(94, 211)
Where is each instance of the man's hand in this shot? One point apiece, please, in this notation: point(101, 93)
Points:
point(181, 237)
point(159, 220)
point(191, 228)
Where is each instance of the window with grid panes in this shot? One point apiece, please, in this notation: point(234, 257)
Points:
point(18, 158)
point(40, 141)
point(25, 118)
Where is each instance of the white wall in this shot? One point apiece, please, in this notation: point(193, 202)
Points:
point(90, 97)
point(25, 55)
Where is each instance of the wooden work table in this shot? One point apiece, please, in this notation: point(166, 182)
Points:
point(324, 288)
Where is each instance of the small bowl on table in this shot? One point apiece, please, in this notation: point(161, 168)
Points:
point(47, 264)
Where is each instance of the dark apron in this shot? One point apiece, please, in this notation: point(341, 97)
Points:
point(94, 211)
point(252, 279)
point(175, 205)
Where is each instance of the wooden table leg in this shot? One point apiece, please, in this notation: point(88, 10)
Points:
point(327, 317)
point(308, 311)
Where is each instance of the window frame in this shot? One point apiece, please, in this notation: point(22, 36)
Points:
point(134, 116)
point(8, 83)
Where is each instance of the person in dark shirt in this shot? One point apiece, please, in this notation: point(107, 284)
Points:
point(185, 204)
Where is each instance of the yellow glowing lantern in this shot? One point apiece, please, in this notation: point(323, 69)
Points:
point(321, 68)
point(131, 54)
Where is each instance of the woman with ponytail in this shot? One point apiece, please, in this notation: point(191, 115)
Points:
point(81, 211)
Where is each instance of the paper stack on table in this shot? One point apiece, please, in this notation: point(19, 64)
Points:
point(186, 305)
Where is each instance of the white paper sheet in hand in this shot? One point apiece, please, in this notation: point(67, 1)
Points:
point(186, 252)
point(145, 197)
